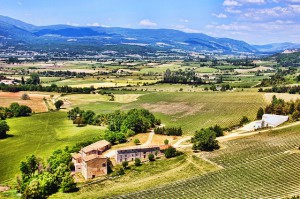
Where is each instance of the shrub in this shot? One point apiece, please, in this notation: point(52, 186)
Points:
point(25, 96)
point(151, 157)
point(166, 142)
point(125, 164)
point(170, 152)
point(137, 162)
point(136, 141)
point(244, 120)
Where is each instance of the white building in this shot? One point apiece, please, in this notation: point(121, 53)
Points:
point(268, 121)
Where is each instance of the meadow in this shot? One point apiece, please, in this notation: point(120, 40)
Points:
point(39, 134)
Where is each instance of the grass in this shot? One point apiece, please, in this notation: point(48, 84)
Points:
point(262, 166)
point(39, 134)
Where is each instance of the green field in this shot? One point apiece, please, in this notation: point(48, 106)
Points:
point(191, 111)
point(261, 166)
point(39, 134)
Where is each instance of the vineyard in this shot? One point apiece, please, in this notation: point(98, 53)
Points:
point(262, 166)
point(189, 110)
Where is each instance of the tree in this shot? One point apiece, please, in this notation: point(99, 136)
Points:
point(67, 184)
point(260, 113)
point(205, 140)
point(22, 80)
point(58, 104)
point(296, 115)
point(166, 142)
point(151, 157)
point(88, 116)
point(136, 141)
point(34, 79)
point(244, 120)
point(170, 152)
point(218, 130)
point(79, 121)
point(125, 164)
point(137, 162)
point(25, 96)
point(3, 129)
point(34, 190)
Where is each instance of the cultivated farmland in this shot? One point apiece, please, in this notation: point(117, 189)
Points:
point(191, 111)
point(263, 166)
point(36, 102)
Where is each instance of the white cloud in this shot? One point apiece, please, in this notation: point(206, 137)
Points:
point(231, 3)
point(72, 24)
point(96, 24)
point(254, 1)
point(230, 27)
point(184, 20)
point(185, 29)
point(221, 15)
point(147, 23)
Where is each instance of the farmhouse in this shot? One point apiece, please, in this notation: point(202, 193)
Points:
point(90, 162)
point(130, 154)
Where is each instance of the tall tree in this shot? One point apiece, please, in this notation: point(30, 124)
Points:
point(3, 129)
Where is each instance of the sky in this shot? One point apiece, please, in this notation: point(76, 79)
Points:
point(253, 21)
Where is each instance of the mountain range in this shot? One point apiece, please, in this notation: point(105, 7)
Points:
point(21, 35)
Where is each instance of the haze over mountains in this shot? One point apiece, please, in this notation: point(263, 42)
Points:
point(21, 35)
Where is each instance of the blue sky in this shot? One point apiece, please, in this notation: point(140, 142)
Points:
point(254, 21)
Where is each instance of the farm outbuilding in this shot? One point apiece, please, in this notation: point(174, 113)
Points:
point(268, 121)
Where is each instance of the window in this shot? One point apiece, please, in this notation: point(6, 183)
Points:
point(103, 165)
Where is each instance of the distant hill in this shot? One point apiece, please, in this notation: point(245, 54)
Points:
point(23, 35)
point(287, 59)
point(277, 47)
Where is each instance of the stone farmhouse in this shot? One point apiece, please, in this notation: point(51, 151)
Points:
point(141, 152)
point(90, 161)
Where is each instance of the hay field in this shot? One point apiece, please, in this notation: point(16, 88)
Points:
point(36, 102)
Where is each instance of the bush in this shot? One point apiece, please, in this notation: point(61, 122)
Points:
point(25, 96)
point(136, 141)
point(125, 164)
point(166, 142)
point(170, 152)
point(244, 120)
point(120, 172)
point(151, 157)
point(137, 162)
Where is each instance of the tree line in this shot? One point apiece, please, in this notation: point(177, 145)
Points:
point(181, 77)
point(280, 107)
point(14, 110)
point(121, 125)
point(52, 88)
point(168, 131)
point(281, 89)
